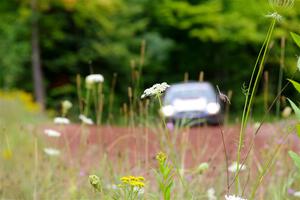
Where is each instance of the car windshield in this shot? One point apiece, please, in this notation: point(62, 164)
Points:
point(193, 91)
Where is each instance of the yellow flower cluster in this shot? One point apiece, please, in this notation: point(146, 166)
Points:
point(134, 181)
point(161, 157)
point(25, 98)
point(7, 154)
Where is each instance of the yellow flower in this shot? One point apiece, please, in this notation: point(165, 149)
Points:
point(7, 154)
point(125, 179)
point(161, 157)
point(138, 184)
point(132, 181)
point(140, 178)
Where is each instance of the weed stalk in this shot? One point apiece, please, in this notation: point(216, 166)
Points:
point(253, 84)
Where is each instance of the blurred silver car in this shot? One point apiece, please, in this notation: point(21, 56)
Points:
point(193, 101)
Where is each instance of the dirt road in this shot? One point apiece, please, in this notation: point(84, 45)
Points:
point(190, 146)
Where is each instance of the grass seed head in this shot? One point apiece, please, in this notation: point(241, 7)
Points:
point(281, 3)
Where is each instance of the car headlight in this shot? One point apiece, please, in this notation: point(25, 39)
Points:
point(213, 108)
point(168, 111)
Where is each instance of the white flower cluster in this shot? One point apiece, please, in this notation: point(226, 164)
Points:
point(52, 133)
point(155, 90)
point(61, 120)
point(92, 79)
point(211, 194)
point(297, 194)
point(234, 167)
point(86, 120)
point(66, 106)
point(233, 197)
point(51, 151)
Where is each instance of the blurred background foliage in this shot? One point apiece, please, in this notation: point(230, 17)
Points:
point(219, 37)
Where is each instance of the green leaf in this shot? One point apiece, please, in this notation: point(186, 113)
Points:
point(298, 63)
point(296, 38)
point(296, 158)
point(295, 84)
point(298, 130)
point(296, 109)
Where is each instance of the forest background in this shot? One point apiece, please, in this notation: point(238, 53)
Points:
point(177, 39)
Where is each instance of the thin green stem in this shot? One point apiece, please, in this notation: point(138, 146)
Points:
point(170, 143)
point(160, 106)
point(87, 105)
point(257, 130)
point(280, 75)
point(248, 105)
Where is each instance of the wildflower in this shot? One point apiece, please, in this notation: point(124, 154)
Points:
point(155, 90)
point(287, 111)
point(275, 15)
point(234, 167)
point(86, 120)
point(170, 126)
point(211, 194)
point(297, 194)
point(140, 178)
point(92, 79)
point(51, 151)
point(161, 157)
point(66, 105)
point(82, 173)
point(7, 154)
point(95, 182)
point(233, 197)
point(202, 167)
point(61, 120)
point(136, 182)
point(52, 133)
point(290, 191)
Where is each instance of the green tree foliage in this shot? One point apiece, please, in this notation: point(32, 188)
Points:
point(14, 43)
point(219, 37)
point(222, 37)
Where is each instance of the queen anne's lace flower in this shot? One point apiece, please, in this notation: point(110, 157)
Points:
point(61, 120)
point(233, 197)
point(296, 194)
point(86, 120)
point(66, 105)
point(233, 167)
point(93, 78)
point(155, 90)
point(52, 133)
point(211, 194)
point(51, 151)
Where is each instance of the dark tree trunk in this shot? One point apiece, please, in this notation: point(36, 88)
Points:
point(36, 58)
